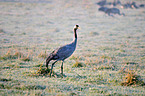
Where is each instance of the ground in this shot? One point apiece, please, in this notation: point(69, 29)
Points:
point(108, 48)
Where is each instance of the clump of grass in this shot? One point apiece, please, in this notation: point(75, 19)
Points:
point(73, 94)
point(76, 58)
point(94, 33)
point(132, 79)
point(133, 63)
point(105, 67)
point(11, 65)
point(26, 58)
point(10, 55)
point(73, 58)
point(42, 71)
point(121, 50)
point(105, 57)
point(2, 31)
point(18, 54)
point(39, 65)
point(42, 55)
point(8, 83)
point(5, 80)
point(77, 64)
point(143, 58)
point(7, 55)
point(28, 87)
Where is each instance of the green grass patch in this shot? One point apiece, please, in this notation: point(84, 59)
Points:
point(77, 64)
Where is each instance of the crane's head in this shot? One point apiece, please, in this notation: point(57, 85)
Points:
point(76, 27)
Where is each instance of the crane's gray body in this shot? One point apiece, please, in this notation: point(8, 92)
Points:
point(64, 52)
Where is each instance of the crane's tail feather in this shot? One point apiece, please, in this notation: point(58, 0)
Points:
point(48, 60)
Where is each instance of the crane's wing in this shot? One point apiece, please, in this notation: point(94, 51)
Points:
point(63, 52)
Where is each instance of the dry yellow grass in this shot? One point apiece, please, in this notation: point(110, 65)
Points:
point(132, 79)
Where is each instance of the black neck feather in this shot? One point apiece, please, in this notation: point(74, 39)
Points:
point(75, 32)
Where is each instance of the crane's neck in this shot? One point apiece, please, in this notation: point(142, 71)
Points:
point(75, 33)
point(75, 37)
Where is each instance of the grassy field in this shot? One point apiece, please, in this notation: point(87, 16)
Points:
point(109, 59)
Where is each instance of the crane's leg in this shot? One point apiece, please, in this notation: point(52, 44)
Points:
point(62, 68)
point(47, 65)
point(52, 67)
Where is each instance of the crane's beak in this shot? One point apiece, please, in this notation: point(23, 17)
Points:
point(79, 28)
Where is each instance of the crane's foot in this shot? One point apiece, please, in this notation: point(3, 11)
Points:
point(61, 75)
